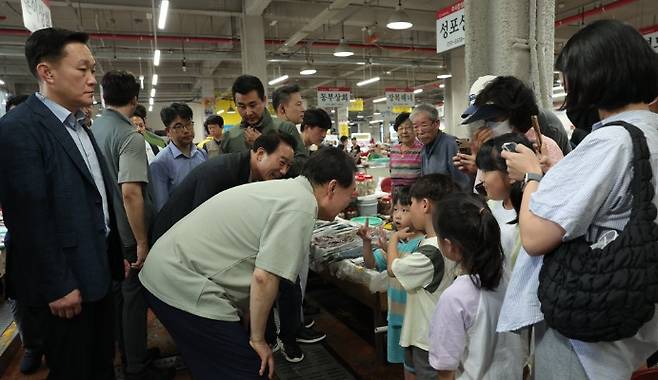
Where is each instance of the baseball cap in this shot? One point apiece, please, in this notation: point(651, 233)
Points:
point(473, 112)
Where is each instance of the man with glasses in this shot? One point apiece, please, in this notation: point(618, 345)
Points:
point(178, 158)
point(439, 147)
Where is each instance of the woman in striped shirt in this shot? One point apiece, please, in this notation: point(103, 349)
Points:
point(405, 158)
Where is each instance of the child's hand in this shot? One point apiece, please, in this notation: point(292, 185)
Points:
point(403, 234)
point(364, 231)
point(383, 241)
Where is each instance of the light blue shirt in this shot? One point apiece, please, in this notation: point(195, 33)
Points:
point(587, 193)
point(169, 168)
point(80, 136)
point(437, 158)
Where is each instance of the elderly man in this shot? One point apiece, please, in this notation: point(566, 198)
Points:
point(439, 147)
point(210, 277)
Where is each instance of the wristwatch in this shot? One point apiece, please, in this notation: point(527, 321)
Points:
point(531, 177)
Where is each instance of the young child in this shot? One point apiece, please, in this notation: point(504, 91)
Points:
point(503, 193)
point(397, 296)
point(463, 339)
point(424, 273)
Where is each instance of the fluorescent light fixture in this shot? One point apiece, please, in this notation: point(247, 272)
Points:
point(150, 108)
point(307, 71)
point(379, 100)
point(153, 92)
point(399, 20)
point(220, 112)
point(154, 80)
point(359, 116)
point(376, 113)
point(156, 57)
point(442, 85)
point(418, 91)
point(444, 76)
point(2, 83)
point(343, 49)
point(280, 79)
point(368, 81)
point(352, 100)
point(151, 101)
point(376, 121)
point(360, 63)
point(141, 82)
point(164, 9)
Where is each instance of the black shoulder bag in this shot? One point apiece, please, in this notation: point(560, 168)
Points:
point(607, 294)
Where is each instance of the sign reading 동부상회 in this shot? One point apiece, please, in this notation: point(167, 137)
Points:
point(36, 14)
point(450, 27)
point(333, 97)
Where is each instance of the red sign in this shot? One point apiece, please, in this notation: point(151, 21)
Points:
point(334, 89)
point(448, 10)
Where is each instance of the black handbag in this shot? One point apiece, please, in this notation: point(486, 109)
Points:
point(596, 295)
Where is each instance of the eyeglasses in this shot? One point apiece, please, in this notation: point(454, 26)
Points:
point(188, 126)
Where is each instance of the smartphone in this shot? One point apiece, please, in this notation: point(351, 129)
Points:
point(535, 126)
point(509, 146)
point(464, 146)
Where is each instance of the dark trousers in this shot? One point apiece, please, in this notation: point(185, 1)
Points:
point(211, 349)
point(80, 348)
point(30, 326)
point(130, 321)
point(290, 310)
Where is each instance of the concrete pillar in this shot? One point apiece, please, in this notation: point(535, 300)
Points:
point(511, 37)
point(456, 94)
point(207, 88)
point(253, 47)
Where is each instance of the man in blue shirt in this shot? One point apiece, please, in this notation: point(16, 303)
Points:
point(178, 158)
point(439, 147)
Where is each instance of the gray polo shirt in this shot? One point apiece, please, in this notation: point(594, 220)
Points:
point(204, 264)
point(125, 153)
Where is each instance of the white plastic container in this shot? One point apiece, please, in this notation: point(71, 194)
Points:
point(367, 205)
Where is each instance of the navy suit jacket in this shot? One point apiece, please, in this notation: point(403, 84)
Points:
point(53, 211)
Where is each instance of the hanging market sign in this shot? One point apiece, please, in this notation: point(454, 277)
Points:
point(651, 35)
point(36, 14)
point(450, 27)
point(333, 97)
point(399, 97)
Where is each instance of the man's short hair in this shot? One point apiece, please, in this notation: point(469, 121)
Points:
point(215, 120)
point(244, 84)
point(48, 45)
point(433, 187)
point(169, 114)
point(344, 138)
point(330, 163)
point(427, 109)
point(608, 65)
point(270, 141)
point(140, 111)
point(119, 88)
point(316, 117)
point(14, 101)
point(282, 95)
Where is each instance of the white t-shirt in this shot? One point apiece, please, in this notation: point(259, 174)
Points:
point(509, 233)
point(463, 334)
point(415, 272)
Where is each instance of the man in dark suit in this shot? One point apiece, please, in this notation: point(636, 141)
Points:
point(55, 189)
point(269, 158)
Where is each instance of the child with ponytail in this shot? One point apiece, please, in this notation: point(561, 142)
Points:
point(463, 339)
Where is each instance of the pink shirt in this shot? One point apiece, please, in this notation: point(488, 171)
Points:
point(405, 167)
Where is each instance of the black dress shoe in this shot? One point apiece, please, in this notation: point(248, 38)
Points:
point(31, 362)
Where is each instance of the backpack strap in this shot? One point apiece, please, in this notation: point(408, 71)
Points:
point(436, 258)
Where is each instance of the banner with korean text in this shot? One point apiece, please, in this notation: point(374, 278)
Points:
point(329, 97)
point(399, 97)
point(36, 14)
point(450, 27)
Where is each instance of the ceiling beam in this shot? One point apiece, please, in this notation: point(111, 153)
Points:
point(322, 18)
point(255, 7)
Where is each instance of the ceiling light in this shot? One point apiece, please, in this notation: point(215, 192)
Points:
point(306, 70)
point(379, 100)
point(418, 91)
point(164, 9)
point(156, 57)
point(359, 116)
point(352, 100)
point(376, 113)
point(278, 80)
point(360, 63)
point(333, 111)
point(442, 85)
point(141, 82)
point(368, 81)
point(151, 101)
point(154, 81)
point(220, 112)
point(399, 20)
point(376, 121)
point(153, 92)
point(444, 76)
point(2, 83)
point(150, 108)
point(343, 49)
